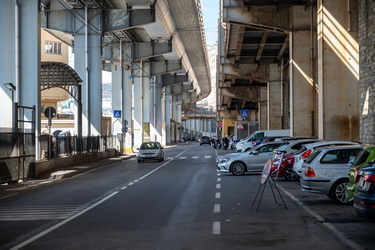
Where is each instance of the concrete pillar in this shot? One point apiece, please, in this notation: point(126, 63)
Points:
point(141, 73)
point(338, 69)
point(88, 65)
point(156, 116)
point(166, 109)
point(262, 109)
point(20, 63)
point(302, 68)
point(274, 98)
point(122, 92)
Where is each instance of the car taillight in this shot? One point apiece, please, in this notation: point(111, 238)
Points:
point(369, 177)
point(356, 175)
point(309, 172)
point(306, 154)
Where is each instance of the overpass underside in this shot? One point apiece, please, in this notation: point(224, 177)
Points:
point(293, 64)
point(155, 50)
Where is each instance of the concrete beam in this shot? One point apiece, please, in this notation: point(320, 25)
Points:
point(243, 71)
point(268, 18)
point(161, 68)
point(174, 79)
point(246, 93)
point(113, 20)
point(147, 50)
point(181, 88)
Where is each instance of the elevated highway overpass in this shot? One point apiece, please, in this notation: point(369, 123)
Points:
point(156, 51)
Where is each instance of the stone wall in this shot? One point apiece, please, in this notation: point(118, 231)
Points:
point(366, 24)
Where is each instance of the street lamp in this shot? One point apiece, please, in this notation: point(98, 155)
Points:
point(10, 86)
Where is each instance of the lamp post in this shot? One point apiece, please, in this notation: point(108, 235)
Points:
point(10, 86)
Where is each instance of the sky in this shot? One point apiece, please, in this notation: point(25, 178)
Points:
point(210, 10)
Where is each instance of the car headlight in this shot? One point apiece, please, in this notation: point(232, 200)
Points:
point(222, 160)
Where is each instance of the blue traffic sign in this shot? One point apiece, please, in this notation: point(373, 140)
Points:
point(244, 113)
point(117, 113)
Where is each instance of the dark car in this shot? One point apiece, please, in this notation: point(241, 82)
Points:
point(150, 151)
point(364, 196)
point(205, 140)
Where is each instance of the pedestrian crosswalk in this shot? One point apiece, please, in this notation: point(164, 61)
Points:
point(192, 157)
point(26, 213)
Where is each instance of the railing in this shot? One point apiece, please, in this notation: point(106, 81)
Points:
point(75, 145)
point(17, 151)
point(17, 156)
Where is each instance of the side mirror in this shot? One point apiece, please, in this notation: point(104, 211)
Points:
point(137, 148)
point(255, 152)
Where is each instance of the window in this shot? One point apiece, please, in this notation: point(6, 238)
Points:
point(53, 48)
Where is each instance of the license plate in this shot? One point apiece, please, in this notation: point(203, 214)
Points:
point(361, 182)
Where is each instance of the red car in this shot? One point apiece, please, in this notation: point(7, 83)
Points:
point(286, 167)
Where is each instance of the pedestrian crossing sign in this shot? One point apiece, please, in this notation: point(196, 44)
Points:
point(117, 113)
point(244, 113)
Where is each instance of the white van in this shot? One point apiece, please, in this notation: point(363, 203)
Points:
point(248, 141)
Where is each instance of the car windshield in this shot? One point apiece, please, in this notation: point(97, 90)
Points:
point(312, 156)
point(150, 145)
point(361, 157)
point(267, 148)
point(301, 150)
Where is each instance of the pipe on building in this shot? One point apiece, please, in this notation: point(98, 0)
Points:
point(87, 73)
point(349, 16)
point(312, 69)
point(17, 49)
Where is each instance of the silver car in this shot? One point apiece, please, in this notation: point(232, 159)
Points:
point(150, 151)
point(325, 171)
point(307, 149)
point(251, 161)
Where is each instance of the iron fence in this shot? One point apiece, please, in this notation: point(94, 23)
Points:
point(17, 151)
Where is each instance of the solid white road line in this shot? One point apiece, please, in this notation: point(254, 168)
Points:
point(39, 235)
point(339, 234)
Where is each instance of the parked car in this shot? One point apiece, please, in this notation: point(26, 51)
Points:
point(283, 159)
point(150, 151)
point(307, 149)
point(325, 171)
point(248, 145)
point(251, 161)
point(364, 197)
point(205, 140)
point(363, 159)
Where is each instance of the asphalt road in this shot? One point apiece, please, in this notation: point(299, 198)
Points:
point(181, 203)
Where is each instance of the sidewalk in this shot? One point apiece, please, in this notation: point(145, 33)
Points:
point(7, 190)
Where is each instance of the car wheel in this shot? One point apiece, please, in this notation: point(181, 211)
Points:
point(338, 191)
point(238, 168)
point(139, 161)
point(289, 173)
